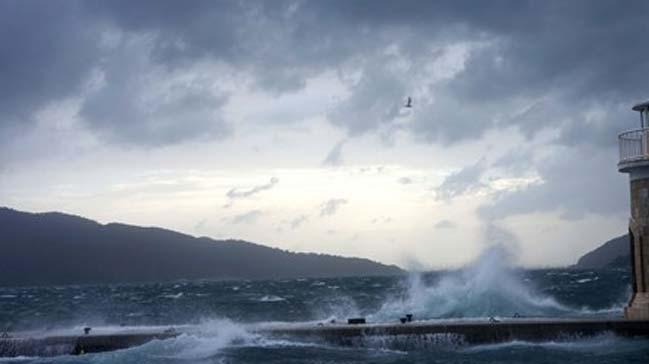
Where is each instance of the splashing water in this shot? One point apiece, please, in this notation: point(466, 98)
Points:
point(487, 287)
point(212, 337)
point(210, 340)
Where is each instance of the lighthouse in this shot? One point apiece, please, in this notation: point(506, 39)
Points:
point(634, 160)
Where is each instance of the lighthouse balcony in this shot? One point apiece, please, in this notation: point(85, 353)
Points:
point(634, 149)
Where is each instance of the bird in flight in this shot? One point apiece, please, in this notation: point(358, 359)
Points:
point(409, 103)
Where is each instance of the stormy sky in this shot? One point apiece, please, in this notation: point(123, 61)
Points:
point(283, 122)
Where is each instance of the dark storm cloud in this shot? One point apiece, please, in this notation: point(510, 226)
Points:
point(49, 51)
point(46, 50)
point(375, 101)
point(184, 31)
point(137, 105)
point(570, 67)
point(578, 55)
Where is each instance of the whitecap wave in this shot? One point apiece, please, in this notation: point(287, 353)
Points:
point(174, 296)
point(586, 280)
point(272, 298)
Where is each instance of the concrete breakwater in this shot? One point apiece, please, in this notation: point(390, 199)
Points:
point(76, 345)
point(422, 332)
point(471, 332)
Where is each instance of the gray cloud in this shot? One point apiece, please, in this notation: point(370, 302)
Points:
point(516, 162)
point(581, 181)
point(298, 221)
point(334, 158)
point(405, 180)
point(249, 217)
point(46, 51)
point(236, 193)
point(465, 180)
point(445, 224)
point(331, 206)
point(376, 100)
point(573, 68)
point(139, 103)
point(518, 62)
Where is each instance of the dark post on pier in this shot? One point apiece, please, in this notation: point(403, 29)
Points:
point(634, 160)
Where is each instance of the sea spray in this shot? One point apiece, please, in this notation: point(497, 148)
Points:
point(487, 287)
point(336, 308)
point(601, 344)
point(212, 338)
point(209, 339)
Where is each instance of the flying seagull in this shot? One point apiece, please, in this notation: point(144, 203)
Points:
point(409, 103)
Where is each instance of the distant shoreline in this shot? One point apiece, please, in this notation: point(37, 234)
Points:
point(59, 249)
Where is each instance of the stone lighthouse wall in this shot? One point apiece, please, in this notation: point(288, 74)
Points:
point(638, 307)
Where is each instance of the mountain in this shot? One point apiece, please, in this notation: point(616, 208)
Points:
point(56, 248)
point(614, 253)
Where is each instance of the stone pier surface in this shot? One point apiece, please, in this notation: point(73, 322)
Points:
point(473, 332)
point(454, 332)
point(45, 346)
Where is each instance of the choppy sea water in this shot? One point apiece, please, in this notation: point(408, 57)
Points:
point(221, 313)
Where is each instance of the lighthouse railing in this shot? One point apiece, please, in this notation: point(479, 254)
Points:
point(634, 145)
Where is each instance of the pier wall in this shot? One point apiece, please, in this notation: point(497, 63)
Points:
point(638, 307)
point(427, 332)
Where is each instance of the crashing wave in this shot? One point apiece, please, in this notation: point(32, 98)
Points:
point(487, 287)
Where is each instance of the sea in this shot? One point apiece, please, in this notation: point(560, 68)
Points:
point(222, 315)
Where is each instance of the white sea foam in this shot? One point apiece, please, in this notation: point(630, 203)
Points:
point(19, 359)
point(174, 296)
point(487, 287)
point(615, 310)
point(211, 337)
point(208, 340)
point(600, 344)
point(271, 298)
point(586, 280)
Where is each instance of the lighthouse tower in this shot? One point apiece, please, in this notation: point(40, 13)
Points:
point(634, 160)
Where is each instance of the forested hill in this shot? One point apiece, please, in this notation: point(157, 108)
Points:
point(56, 248)
point(613, 253)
